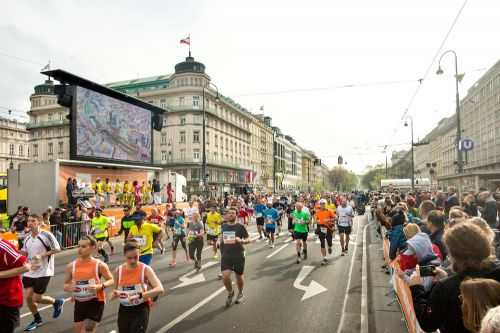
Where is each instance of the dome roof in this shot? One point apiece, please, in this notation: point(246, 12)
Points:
point(46, 88)
point(190, 66)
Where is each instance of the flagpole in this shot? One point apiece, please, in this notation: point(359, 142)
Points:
point(189, 45)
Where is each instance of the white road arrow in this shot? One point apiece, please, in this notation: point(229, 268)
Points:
point(187, 281)
point(314, 287)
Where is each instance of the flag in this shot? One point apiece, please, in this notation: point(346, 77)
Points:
point(47, 67)
point(186, 40)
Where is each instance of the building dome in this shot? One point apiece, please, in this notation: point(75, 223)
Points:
point(46, 88)
point(190, 66)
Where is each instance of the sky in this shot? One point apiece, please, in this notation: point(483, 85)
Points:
point(337, 76)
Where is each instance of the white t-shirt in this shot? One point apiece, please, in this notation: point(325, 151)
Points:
point(189, 211)
point(33, 246)
point(343, 214)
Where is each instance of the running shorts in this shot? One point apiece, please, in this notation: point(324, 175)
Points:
point(133, 319)
point(92, 310)
point(300, 235)
point(270, 228)
point(9, 318)
point(212, 237)
point(345, 230)
point(235, 264)
point(260, 220)
point(39, 285)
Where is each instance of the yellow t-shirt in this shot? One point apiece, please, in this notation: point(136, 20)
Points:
point(127, 188)
point(144, 236)
point(118, 187)
point(97, 187)
point(106, 187)
point(214, 221)
point(331, 206)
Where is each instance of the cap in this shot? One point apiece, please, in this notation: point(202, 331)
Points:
point(322, 201)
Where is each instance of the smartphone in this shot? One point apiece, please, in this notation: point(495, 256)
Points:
point(429, 270)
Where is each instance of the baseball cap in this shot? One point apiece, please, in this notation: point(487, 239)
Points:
point(322, 201)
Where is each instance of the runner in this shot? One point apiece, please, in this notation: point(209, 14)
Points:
point(131, 287)
point(345, 214)
point(83, 279)
point(40, 247)
point(158, 220)
point(19, 225)
point(189, 211)
point(143, 233)
point(179, 236)
point(233, 237)
point(271, 215)
point(214, 221)
point(301, 220)
point(325, 228)
point(99, 228)
point(280, 206)
point(195, 240)
point(106, 188)
point(259, 218)
point(127, 222)
point(12, 265)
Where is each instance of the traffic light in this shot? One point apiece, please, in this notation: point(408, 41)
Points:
point(157, 121)
point(64, 94)
point(340, 160)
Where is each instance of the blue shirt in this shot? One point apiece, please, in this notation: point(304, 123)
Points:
point(259, 209)
point(271, 213)
point(178, 229)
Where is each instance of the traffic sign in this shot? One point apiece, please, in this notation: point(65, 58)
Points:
point(465, 145)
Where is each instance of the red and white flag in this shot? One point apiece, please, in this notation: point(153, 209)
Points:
point(186, 40)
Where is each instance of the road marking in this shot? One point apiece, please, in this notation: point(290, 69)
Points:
point(43, 308)
point(364, 284)
point(314, 287)
point(184, 315)
point(187, 281)
point(349, 278)
point(278, 250)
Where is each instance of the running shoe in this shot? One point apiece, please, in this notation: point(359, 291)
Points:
point(229, 299)
point(298, 260)
point(172, 264)
point(324, 262)
point(58, 307)
point(239, 298)
point(33, 325)
point(304, 254)
point(330, 250)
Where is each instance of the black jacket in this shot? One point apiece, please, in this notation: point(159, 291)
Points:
point(489, 212)
point(437, 238)
point(440, 308)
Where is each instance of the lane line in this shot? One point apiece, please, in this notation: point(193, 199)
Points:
point(279, 249)
point(364, 283)
point(184, 315)
point(43, 308)
point(349, 278)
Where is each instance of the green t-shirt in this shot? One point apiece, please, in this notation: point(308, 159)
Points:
point(100, 226)
point(300, 220)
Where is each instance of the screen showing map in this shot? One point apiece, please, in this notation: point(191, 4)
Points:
point(109, 129)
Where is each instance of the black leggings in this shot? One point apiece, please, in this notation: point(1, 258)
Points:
point(196, 245)
point(176, 240)
point(328, 238)
point(133, 319)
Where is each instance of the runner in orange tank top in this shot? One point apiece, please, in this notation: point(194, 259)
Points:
point(136, 284)
point(87, 277)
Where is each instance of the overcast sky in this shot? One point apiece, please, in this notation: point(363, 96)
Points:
point(290, 56)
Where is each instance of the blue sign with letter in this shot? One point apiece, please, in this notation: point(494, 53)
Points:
point(465, 145)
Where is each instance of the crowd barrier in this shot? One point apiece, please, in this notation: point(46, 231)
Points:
point(402, 291)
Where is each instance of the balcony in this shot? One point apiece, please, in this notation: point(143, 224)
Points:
point(210, 161)
point(48, 123)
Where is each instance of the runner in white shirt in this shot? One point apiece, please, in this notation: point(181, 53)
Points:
point(40, 247)
point(189, 211)
point(345, 214)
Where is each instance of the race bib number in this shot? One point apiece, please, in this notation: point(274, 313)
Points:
point(229, 237)
point(81, 290)
point(298, 221)
point(211, 232)
point(141, 240)
point(269, 221)
point(258, 214)
point(323, 230)
point(127, 292)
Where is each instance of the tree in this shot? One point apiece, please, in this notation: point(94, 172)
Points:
point(371, 179)
point(342, 179)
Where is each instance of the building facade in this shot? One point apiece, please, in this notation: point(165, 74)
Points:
point(262, 152)
point(14, 144)
point(288, 162)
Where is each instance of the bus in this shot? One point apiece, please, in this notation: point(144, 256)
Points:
point(4, 217)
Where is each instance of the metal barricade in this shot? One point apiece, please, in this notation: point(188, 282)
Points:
point(68, 234)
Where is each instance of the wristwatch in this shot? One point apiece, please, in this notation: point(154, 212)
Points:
point(140, 294)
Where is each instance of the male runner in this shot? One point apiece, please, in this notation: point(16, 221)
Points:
point(40, 247)
point(136, 286)
point(324, 219)
point(127, 222)
point(214, 222)
point(271, 215)
point(143, 233)
point(301, 220)
point(100, 225)
point(345, 214)
point(259, 218)
point(233, 236)
point(84, 277)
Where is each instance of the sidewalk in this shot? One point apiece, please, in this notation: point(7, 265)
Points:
point(384, 312)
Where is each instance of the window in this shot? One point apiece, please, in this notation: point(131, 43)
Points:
point(183, 137)
point(207, 137)
point(181, 101)
point(151, 102)
point(196, 155)
point(163, 155)
point(35, 119)
point(195, 174)
point(183, 154)
point(216, 140)
point(215, 156)
point(49, 116)
point(35, 150)
point(51, 148)
point(183, 120)
point(170, 156)
point(163, 138)
point(61, 146)
point(197, 119)
point(11, 149)
point(196, 102)
point(60, 116)
point(196, 136)
point(163, 103)
point(21, 150)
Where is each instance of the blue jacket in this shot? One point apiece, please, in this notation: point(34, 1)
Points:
point(397, 241)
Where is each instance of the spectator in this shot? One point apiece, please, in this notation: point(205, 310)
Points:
point(435, 222)
point(481, 223)
point(470, 206)
point(440, 308)
point(156, 192)
point(452, 199)
point(69, 191)
point(425, 208)
point(478, 296)
point(397, 238)
point(488, 208)
point(491, 322)
point(420, 249)
point(456, 215)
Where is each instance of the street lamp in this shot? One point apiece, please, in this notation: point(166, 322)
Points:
point(457, 101)
point(412, 154)
point(204, 125)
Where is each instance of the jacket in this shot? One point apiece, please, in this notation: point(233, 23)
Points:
point(440, 308)
point(420, 245)
point(397, 241)
point(437, 238)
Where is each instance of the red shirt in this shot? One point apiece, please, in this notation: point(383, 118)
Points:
point(11, 289)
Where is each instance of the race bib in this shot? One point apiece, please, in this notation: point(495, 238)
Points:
point(141, 240)
point(323, 230)
point(211, 232)
point(128, 291)
point(258, 214)
point(298, 221)
point(229, 237)
point(20, 234)
point(81, 291)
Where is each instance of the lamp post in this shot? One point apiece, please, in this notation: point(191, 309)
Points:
point(412, 154)
point(457, 101)
point(204, 147)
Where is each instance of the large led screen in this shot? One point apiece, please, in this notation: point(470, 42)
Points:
point(106, 128)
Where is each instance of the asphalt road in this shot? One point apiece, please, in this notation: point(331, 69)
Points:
point(280, 295)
